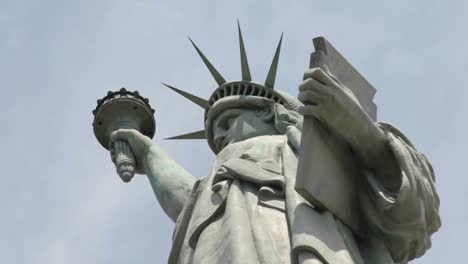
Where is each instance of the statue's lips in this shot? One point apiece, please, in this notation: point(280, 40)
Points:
point(226, 141)
point(222, 141)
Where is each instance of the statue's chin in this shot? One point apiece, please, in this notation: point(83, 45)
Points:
point(225, 142)
point(228, 141)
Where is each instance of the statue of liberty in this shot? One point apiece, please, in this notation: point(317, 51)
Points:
point(246, 210)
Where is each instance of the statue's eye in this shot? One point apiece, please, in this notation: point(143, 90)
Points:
point(228, 119)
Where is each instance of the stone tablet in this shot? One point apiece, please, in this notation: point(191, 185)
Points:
point(327, 174)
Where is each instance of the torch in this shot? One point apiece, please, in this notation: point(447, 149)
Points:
point(117, 110)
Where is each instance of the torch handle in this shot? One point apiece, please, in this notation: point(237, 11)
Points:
point(124, 160)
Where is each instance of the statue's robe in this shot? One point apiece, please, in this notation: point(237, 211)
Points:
point(247, 211)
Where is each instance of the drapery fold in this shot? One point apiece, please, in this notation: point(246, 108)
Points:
point(247, 211)
point(405, 220)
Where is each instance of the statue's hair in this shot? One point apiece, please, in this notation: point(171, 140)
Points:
point(281, 117)
point(285, 117)
point(286, 122)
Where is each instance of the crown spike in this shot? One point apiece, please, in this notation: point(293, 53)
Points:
point(270, 80)
point(216, 75)
point(195, 99)
point(194, 135)
point(244, 63)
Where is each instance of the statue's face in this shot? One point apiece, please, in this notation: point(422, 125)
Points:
point(235, 125)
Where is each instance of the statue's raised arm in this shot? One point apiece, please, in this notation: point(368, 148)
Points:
point(171, 183)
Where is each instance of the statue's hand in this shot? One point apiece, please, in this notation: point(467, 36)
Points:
point(139, 144)
point(331, 102)
point(171, 183)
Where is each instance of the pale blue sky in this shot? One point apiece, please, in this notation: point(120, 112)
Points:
point(60, 198)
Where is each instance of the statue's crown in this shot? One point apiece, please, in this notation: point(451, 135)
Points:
point(243, 88)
